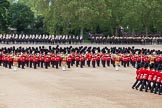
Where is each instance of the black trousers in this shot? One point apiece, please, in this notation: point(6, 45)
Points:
point(103, 63)
point(148, 86)
point(38, 63)
point(19, 63)
point(143, 84)
point(113, 63)
point(139, 84)
point(30, 63)
point(72, 62)
point(52, 63)
point(27, 63)
point(124, 63)
point(84, 63)
point(128, 63)
point(68, 63)
point(9, 64)
point(81, 64)
point(60, 62)
point(46, 65)
point(22, 65)
point(108, 63)
point(134, 85)
point(0, 62)
point(94, 64)
point(35, 65)
point(160, 89)
point(41, 64)
point(153, 86)
point(98, 63)
point(88, 63)
point(77, 63)
point(57, 64)
point(157, 88)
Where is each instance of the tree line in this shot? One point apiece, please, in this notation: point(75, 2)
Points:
point(81, 16)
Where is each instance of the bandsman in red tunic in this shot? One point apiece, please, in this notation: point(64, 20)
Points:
point(77, 59)
point(98, 57)
point(10, 60)
point(108, 59)
point(151, 73)
point(69, 60)
point(53, 58)
point(22, 60)
point(138, 75)
point(82, 60)
point(94, 60)
point(158, 80)
point(103, 59)
point(30, 60)
point(41, 59)
point(58, 59)
point(89, 58)
point(47, 61)
point(35, 61)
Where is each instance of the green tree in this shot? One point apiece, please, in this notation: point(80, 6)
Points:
point(20, 17)
point(4, 5)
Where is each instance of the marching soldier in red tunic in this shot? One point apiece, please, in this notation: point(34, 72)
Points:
point(77, 59)
point(41, 59)
point(69, 60)
point(94, 61)
point(82, 60)
point(103, 59)
point(58, 59)
point(138, 75)
point(108, 59)
point(158, 80)
point(98, 57)
point(89, 58)
point(10, 60)
point(151, 73)
point(53, 58)
point(22, 60)
point(47, 61)
point(30, 60)
point(35, 61)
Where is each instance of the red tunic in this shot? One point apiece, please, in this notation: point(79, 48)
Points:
point(82, 58)
point(151, 74)
point(58, 58)
point(77, 58)
point(104, 58)
point(69, 59)
point(9, 59)
point(35, 59)
point(93, 58)
point(22, 58)
point(47, 59)
point(89, 57)
point(159, 77)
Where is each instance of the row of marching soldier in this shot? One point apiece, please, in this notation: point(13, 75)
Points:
point(34, 57)
point(149, 77)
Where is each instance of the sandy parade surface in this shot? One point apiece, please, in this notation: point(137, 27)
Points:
point(74, 88)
